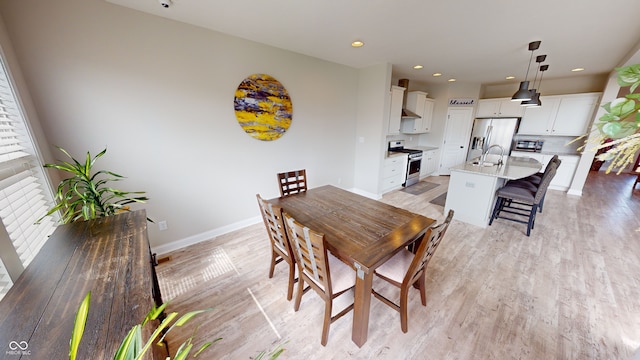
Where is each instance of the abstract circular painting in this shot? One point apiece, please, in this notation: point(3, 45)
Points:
point(263, 107)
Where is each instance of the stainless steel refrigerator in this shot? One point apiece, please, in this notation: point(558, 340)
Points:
point(490, 131)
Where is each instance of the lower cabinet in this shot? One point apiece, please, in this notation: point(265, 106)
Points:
point(429, 163)
point(564, 176)
point(394, 172)
point(565, 173)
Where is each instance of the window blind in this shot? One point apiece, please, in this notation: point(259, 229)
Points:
point(5, 280)
point(24, 192)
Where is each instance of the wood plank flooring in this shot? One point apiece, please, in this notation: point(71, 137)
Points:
point(569, 291)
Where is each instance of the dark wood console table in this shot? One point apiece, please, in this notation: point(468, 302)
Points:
point(108, 256)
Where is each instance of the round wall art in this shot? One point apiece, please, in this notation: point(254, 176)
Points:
point(263, 107)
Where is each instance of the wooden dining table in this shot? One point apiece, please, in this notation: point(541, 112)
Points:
point(361, 232)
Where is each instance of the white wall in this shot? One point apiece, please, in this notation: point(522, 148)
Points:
point(373, 122)
point(159, 95)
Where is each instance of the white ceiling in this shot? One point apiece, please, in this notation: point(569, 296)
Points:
point(470, 40)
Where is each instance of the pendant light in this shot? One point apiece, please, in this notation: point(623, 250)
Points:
point(523, 93)
point(535, 95)
point(543, 68)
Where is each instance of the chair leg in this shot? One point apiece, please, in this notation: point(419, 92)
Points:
point(299, 294)
point(532, 217)
point(292, 274)
point(274, 256)
point(327, 321)
point(404, 295)
point(496, 209)
point(541, 203)
point(422, 284)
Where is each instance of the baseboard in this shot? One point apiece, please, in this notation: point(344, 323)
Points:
point(574, 192)
point(365, 193)
point(207, 235)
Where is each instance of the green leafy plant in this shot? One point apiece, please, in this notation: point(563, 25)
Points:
point(85, 195)
point(619, 127)
point(133, 346)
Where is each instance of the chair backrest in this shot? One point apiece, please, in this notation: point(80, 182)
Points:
point(554, 160)
point(545, 181)
point(309, 252)
point(427, 248)
point(292, 182)
point(272, 217)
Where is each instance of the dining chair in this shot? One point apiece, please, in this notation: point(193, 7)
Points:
point(521, 201)
point(321, 271)
point(280, 246)
point(292, 182)
point(406, 269)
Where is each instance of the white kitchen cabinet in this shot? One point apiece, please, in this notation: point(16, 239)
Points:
point(562, 115)
point(393, 172)
point(418, 102)
point(566, 171)
point(564, 175)
point(502, 107)
point(395, 110)
point(429, 163)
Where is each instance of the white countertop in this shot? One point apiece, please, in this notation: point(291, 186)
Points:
point(389, 154)
point(424, 148)
point(515, 167)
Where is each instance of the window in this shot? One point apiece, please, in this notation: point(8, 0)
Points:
point(24, 192)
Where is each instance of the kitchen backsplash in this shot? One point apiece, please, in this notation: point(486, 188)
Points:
point(555, 144)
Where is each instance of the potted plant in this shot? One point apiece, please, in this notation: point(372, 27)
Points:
point(619, 127)
point(86, 194)
point(133, 346)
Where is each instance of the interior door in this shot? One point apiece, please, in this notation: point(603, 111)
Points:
point(456, 138)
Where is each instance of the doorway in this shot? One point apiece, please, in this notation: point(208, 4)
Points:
point(456, 138)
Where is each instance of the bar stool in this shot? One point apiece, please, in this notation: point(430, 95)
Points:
point(522, 201)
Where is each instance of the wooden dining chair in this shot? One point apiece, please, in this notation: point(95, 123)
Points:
point(292, 182)
point(280, 246)
point(405, 269)
point(321, 271)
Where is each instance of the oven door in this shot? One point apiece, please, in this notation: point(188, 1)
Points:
point(413, 171)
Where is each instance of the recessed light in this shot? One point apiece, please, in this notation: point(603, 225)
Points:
point(437, 74)
point(510, 77)
point(417, 67)
point(577, 69)
point(451, 80)
point(357, 44)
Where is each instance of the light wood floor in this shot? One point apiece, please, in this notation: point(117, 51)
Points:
point(570, 291)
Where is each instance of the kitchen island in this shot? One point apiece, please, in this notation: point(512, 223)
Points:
point(472, 187)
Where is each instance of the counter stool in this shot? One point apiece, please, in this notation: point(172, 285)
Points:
point(533, 181)
point(521, 200)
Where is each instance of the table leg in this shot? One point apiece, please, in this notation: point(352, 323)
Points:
point(362, 302)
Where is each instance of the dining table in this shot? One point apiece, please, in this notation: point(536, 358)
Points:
point(362, 232)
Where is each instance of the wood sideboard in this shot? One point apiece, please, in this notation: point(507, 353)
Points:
point(108, 256)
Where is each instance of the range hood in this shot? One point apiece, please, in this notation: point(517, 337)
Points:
point(406, 114)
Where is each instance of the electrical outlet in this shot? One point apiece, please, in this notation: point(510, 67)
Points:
point(162, 225)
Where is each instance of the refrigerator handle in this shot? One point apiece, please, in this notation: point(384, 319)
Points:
point(487, 142)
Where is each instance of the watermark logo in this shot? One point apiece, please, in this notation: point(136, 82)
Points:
point(18, 348)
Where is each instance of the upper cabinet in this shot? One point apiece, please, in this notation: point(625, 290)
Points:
point(418, 102)
point(562, 115)
point(502, 107)
point(395, 110)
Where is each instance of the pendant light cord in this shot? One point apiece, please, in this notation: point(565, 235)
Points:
point(528, 67)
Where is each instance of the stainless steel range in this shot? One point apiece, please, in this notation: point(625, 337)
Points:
point(412, 175)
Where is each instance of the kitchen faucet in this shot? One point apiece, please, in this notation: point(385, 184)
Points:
point(484, 156)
